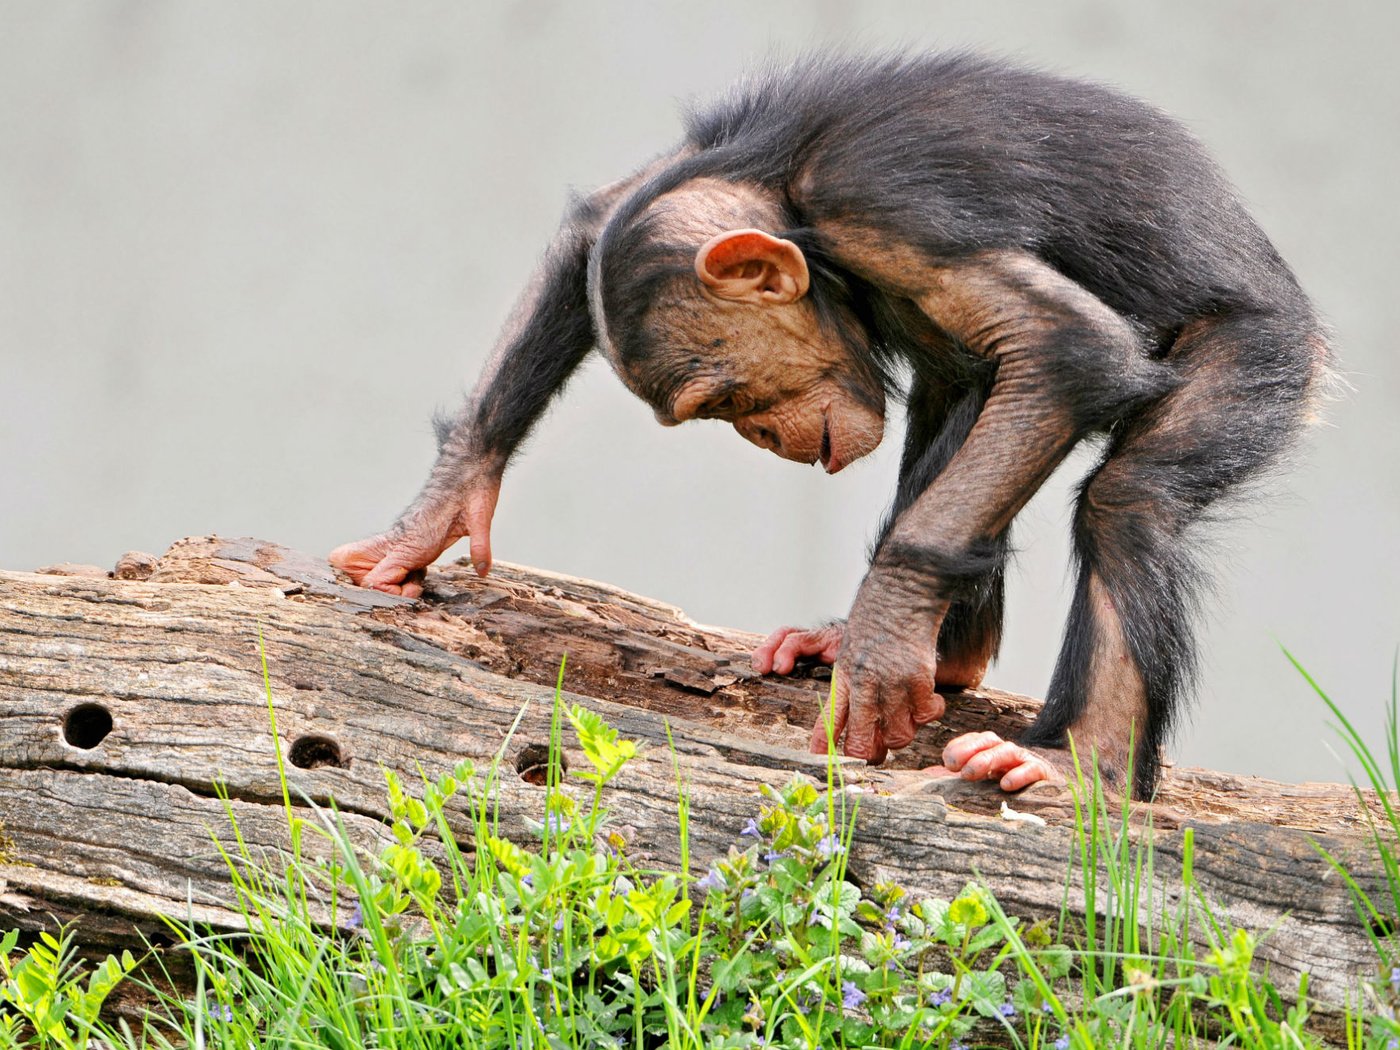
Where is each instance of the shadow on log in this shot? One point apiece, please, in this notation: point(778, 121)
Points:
point(124, 700)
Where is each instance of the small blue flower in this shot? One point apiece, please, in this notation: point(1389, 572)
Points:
point(356, 918)
point(941, 998)
point(1006, 1010)
point(1395, 977)
point(902, 942)
point(711, 880)
point(1062, 1043)
point(1046, 1008)
point(957, 1044)
point(751, 828)
point(893, 913)
point(556, 823)
point(221, 1012)
point(527, 880)
point(851, 996)
point(559, 924)
point(829, 847)
point(775, 855)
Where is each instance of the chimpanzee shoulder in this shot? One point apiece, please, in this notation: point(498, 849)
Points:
point(961, 153)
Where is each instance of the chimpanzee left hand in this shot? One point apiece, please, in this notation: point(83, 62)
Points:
point(885, 675)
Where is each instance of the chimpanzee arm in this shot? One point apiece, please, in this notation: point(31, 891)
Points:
point(547, 336)
point(1066, 364)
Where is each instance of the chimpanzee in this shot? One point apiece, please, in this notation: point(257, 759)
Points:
point(1028, 261)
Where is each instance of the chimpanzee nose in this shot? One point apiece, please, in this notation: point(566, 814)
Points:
point(760, 435)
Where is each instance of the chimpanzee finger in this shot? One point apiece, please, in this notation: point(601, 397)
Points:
point(863, 736)
point(412, 586)
point(1031, 771)
point(897, 718)
point(358, 559)
point(388, 575)
point(993, 762)
point(927, 705)
point(798, 643)
point(961, 748)
point(762, 658)
point(480, 526)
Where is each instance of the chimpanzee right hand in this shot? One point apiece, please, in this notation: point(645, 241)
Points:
point(886, 676)
point(394, 561)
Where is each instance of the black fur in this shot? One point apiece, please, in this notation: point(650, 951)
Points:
point(547, 353)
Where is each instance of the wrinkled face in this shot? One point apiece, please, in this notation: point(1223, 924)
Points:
point(784, 382)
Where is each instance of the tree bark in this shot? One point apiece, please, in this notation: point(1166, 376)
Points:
point(112, 829)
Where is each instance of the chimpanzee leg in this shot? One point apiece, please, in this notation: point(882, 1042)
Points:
point(1128, 657)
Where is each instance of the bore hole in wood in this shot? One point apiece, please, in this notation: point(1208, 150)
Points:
point(316, 752)
point(87, 725)
point(533, 765)
point(1383, 926)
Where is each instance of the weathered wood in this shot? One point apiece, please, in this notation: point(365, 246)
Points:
point(115, 834)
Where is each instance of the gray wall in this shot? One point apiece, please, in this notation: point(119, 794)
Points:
point(246, 249)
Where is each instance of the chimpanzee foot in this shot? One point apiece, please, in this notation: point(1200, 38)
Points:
point(986, 756)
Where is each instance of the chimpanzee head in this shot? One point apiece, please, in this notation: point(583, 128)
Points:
point(704, 315)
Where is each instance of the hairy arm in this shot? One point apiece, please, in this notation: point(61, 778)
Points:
point(547, 336)
point(1065, 363)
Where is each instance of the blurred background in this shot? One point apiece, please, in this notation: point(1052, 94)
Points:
point(247, 249)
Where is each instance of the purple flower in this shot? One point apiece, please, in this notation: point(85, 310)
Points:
point(902, 942)
point(527, 880)
point(851, 996)
point(711, 880)
point(1062, 1043)
point(829, 847)
point(221, 1012)
point(1006, 1010)
point(1046, 1008)
point(751, 828)
point(1395, 977)
point(775, 855)
point(941, 998)
point(559, 924)
point(556, 823)
point(356, 918)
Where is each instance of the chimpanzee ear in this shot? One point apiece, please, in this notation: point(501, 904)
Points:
point(751, 266)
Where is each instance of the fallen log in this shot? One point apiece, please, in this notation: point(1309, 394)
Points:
point(125, 697)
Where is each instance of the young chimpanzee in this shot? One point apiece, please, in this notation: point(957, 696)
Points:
point(1034, 260)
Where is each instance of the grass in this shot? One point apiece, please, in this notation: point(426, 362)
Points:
point(436, 938)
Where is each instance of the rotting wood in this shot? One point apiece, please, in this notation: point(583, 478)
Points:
point(111, 836)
